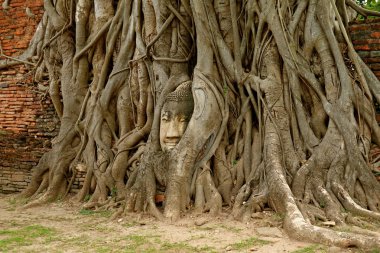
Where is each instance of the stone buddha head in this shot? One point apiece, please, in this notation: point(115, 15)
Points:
point(175, 115)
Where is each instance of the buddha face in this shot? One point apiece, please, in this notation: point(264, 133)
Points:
point(175, 116)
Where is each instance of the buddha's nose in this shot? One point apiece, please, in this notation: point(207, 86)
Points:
point(173, 130)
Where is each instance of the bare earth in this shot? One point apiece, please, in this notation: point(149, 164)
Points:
point(64, 227)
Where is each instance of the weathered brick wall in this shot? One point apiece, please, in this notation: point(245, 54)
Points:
point(78, 181)
point(27, 117)
point(16, 28)
point(27, 122)
point(365, 36)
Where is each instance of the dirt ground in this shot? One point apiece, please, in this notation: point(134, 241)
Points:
point(65, 227)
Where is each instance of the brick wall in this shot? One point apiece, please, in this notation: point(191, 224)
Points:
point(365, 36)
point(16, 28)
point(27, 123)
point(27, 117)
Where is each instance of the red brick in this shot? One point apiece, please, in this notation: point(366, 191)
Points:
point(366, 41)
point(375, 34)
point(372, 60)
point(16, 4)
point(19, 31)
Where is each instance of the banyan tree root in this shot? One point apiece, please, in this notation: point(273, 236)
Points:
point(173, 106)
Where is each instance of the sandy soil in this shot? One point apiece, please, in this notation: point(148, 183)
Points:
point(65, 227)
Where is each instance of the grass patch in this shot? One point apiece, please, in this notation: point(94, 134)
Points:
point(87, 198)
point(140, 243)
point(15, 224)
point(104, 213)
point(184, 247)
point(248, 243)
point(232, 229)
point(372, 224)
point(197, 237)
point(104, 250)
point(311, 249)
point(174, 247)
point(207, 248)
point(12, 238)
point(17, 201)
point(77, 240)
point(104, 229)
point(279, 217)
point(205, 228)
point(4, 133)
point(153, 244)
point(132, 224)
point(368, 251)
point(86, 212)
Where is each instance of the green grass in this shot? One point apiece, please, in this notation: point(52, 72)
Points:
point(311, 249)
point(206, 228)
point(222, 226)
point(87, 198)
point(12, 238)
point(113, 192)
point(3, 133)
point(184, 247)
point(248, 243)
point(103, 250)
point(196, 237)
point(374, 251)
point(133, 224)
point(279, 217)
point(86, 212)
point(154, 244)
point(174, 247)
point(17, 201)
point(104, 213)
point(367, 251)
point(230, 228)
point(140, 243)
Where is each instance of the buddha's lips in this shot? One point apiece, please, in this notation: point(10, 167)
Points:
point(171, 145)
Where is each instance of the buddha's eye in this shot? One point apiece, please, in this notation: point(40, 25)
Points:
point(165, 117)
point(183, 119)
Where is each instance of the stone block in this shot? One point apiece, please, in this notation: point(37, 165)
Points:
point(17, 178)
